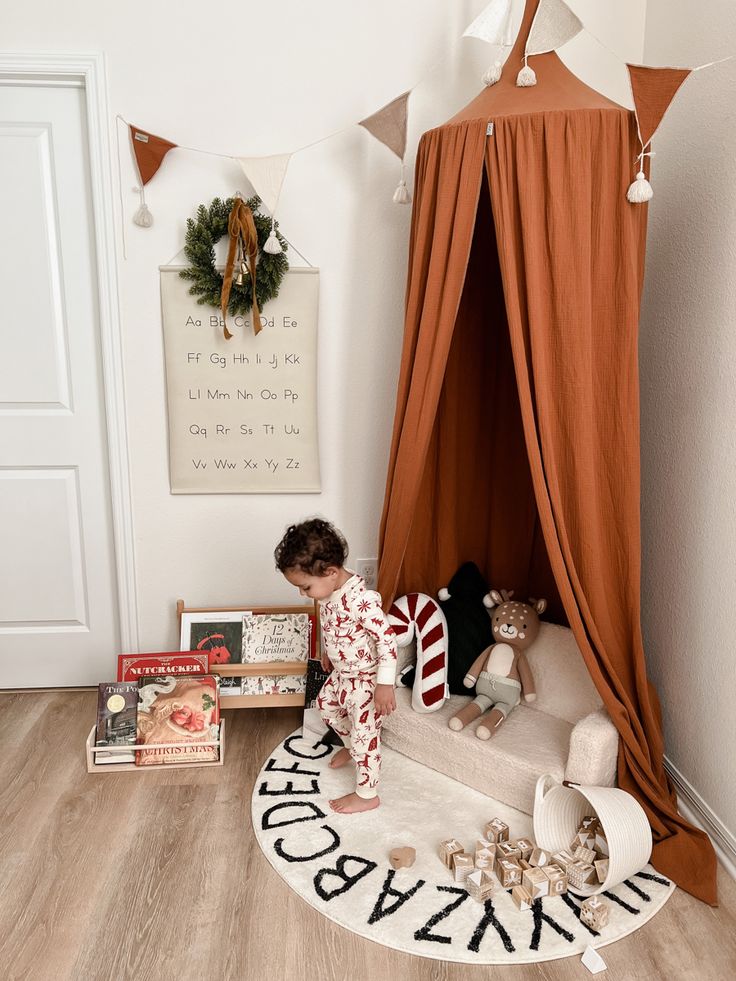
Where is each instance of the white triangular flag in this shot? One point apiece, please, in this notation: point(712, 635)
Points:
point(266, 174)
point(492, 24)
point(554, 24)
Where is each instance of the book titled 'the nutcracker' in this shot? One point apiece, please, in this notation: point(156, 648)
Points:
point(176, 715)
point(132, 667)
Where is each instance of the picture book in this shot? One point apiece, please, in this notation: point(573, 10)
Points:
point(220, 635)
point(175, 716)
point(133, 667)
point(117, 705)
point(276, 637)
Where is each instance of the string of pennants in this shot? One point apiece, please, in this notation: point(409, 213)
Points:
point(554, 24)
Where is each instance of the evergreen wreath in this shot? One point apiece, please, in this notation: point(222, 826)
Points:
point(208, 228)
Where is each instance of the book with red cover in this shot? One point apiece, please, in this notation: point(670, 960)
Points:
point(133, 667)
point(182, 709)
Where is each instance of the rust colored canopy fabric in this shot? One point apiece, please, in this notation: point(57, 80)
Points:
point(516, 436)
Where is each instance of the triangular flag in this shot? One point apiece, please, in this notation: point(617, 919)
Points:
point(653, 90)
point(149, 152)
point(554, 24)
point(492, 24)
point(389, 124)
point(266, 174)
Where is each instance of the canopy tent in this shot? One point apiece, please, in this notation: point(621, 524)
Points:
point(516, 436)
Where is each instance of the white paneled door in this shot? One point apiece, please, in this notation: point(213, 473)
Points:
point(58, 595)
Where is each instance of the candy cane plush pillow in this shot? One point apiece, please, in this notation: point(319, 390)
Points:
point(420, 616)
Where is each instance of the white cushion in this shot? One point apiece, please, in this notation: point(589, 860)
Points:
point(564, 686)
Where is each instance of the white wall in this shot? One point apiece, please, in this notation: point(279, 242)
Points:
point(258, 78)
point(688, 381)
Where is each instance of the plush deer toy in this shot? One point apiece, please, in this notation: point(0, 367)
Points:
point(501, 674)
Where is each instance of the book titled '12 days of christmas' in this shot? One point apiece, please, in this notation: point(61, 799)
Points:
point(183, 711)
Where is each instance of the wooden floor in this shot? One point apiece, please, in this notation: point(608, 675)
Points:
point(157, 876)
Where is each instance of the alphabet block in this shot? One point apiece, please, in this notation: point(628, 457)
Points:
point(557, 879)
point(497, 831)
point(594, 913)
point(526, 847)
point(480, 885)
point(586, 855)
point(563, 858)
point(601, 869)
point(448, 848)
point(508, 850)
point(536, 882)
point(509, 874)
point(521, 897)
point(462, 865)
point(580, 874)
point(539, 857)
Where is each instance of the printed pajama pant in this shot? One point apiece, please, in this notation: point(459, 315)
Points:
point(346, 706)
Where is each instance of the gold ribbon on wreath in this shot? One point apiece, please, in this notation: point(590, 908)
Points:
point(241, 255)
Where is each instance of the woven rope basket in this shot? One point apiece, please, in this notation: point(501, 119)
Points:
point(558, 811)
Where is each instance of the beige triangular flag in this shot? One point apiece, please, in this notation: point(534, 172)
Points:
point(492, 24)
point(554, 24)
point(653, 90)
point(266, 174)
point(389, 124)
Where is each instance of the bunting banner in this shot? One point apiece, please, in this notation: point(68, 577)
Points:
point(494, 26)
point(653, 90)
point(149, 151)
point(389, 126)
point(554, 24)
point(266, 174)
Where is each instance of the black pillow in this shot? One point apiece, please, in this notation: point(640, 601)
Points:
point(469, 626)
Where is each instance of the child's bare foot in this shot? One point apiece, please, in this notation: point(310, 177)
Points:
point(341, 757)
point(352, 804)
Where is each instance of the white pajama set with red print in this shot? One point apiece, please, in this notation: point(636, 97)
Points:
point(361, 645)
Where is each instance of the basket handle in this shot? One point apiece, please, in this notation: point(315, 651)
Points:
point(544, 785)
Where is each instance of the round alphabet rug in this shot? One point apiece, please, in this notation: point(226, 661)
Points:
point(339, 863)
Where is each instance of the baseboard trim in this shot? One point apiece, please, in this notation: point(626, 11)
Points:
point(693, 807)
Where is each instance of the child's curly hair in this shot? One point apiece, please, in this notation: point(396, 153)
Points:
point(311, 546)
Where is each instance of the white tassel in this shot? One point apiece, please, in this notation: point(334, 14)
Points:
point(401, 194)
point(493, 74)
point(143, 216)
point(443, 595)
point(526, 77)
point(272, 244)
point(641, 190)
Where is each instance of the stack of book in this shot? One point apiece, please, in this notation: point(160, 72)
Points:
point(175, 716)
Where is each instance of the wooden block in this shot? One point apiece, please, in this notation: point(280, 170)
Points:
point(486, 849)
point(583, 838)
point(535, 882)
point(448, 848)
point(589, 823)
point(485, 859)
point(594, 913)
point(523, 863)
point(600, 843)
point(480, 885)
point(462, 865)
point(402, 858)
point(526, 846)
point(601, 869)
point(586, 855)
point(557, 879)
point(539, 857)
point(521, 897)
point(563, 858)
point(509, 874)
point(580, 874)
point(508, 850)
point(497, 831)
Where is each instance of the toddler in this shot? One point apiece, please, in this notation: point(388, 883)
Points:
point(358, 644)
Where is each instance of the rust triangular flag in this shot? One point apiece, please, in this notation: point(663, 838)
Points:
point(389, 124)
point(653, 90)
point(149, 151)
